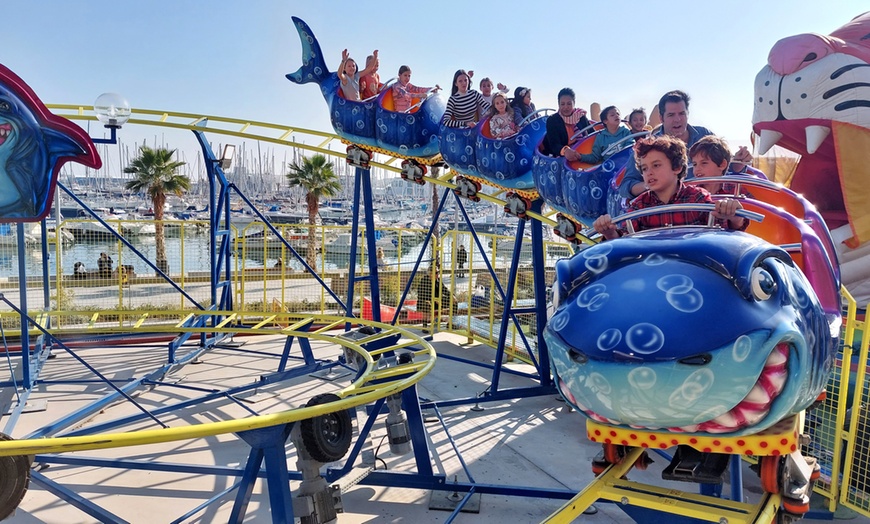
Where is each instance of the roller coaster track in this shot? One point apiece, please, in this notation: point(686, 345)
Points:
point(372, 384)
point(267, 132)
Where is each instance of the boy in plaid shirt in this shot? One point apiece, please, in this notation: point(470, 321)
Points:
point(663, 164)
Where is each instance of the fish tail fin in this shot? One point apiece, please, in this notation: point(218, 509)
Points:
point(313, 66)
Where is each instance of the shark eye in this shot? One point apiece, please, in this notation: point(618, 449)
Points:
point(577, 356)
point(554, 293)
point(4, 106)
point(697, 360)
point(762, 283)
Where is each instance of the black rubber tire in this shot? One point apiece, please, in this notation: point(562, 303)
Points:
point(327, 438)
point(14, 481)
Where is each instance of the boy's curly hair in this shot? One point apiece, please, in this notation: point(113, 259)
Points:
point(673, 148)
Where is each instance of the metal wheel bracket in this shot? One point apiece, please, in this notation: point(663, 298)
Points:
point(358, 157)
point(467, 188)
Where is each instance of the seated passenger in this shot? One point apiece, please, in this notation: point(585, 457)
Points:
point(104, 265)
point(79, 270)
point(522, 102)
point(613, 132)
point(502, 121)
point(673, 109)
point(663, 164)
point(370, 84)
point(561, 126)
point(637, 120)
point(349, 75)
point(711, 157)
point(486, 89)
point(404, 91)
point(465, 107)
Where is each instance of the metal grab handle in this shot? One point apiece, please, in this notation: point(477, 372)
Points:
point(671, 208)
point(386, 85)
point(580, 132)
point(533, 115)
point(425, 97)
point(613, 148)
point(738, 180)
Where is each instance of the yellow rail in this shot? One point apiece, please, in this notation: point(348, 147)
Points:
point(263, 131)
point(356, 394)
point(611, 485)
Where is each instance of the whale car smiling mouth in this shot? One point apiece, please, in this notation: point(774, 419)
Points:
point(751, 409)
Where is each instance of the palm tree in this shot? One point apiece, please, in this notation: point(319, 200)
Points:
point(317, 178)
point(156, 175)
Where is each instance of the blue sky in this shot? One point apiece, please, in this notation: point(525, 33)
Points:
point(229, 58)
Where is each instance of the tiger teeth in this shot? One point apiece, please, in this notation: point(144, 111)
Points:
point(815, 136)
point(767, 139)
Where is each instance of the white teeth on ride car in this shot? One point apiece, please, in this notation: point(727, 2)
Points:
point(776, 358)
point(726, 420)
point(753, 416)
point(758, 395)
point(777, 380)
point(767, 139)
point(815, 136)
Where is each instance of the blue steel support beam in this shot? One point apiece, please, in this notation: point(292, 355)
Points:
point(27, 380)
point(363, 191)
point(507, 296)
point(508, 301)
point(371, 246)
point(219, 225)
point(419, 442)
point(130, 246)
point(539, 272)
point(74, 499)
point(420, 256)
point(267, 444)
point(354, 231)
point(268, 225)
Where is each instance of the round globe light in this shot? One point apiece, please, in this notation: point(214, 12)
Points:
point(112, 110)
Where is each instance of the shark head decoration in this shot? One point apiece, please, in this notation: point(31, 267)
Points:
point(34, 145)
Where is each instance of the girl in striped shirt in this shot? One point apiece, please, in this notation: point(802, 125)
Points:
point(465, 106)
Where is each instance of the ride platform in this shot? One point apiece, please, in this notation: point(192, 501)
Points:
point(532, 446)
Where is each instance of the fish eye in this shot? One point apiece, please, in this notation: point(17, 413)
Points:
point(762, 283)
point(4, 105)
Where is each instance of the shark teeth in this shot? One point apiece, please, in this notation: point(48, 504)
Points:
point(756, 405)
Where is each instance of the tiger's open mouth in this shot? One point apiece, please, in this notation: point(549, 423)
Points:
point(5, 131)
point(749, 411)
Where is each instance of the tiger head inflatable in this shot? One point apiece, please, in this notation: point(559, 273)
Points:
point(813, 98)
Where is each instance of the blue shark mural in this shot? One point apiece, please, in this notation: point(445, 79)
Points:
point(34, 144)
